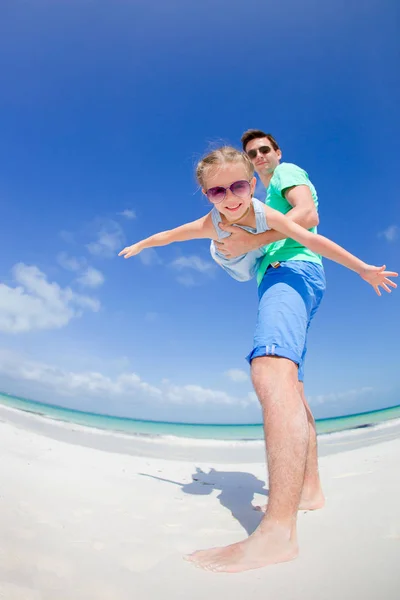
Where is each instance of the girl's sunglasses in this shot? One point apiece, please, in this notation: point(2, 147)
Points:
point(263, 150)
point(241, 189)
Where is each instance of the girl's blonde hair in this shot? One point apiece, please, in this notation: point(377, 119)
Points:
point(223, 155)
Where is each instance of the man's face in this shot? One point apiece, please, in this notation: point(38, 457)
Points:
point(263, 156)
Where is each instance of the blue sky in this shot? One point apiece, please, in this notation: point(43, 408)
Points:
point(105, 108)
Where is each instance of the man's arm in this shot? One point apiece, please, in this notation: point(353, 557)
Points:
point(303, 213)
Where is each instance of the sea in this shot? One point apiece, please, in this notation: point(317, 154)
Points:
point(138, 427)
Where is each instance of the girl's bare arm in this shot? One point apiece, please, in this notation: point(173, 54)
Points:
point(201, 228)
point(376, 276)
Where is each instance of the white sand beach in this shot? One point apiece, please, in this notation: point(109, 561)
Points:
point(81, 518)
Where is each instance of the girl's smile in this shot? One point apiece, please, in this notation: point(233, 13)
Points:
point(232, 207)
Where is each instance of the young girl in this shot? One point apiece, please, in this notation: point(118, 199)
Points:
point(226, 177)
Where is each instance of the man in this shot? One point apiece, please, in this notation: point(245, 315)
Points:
point(291, 285)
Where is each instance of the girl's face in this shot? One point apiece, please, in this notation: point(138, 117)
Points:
point(232, 201)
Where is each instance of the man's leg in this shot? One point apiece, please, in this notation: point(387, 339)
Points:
point(312, 496)
point(286, 435)
point(286, 301)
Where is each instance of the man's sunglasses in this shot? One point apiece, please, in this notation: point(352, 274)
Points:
point(263, 150)
point(241, 189)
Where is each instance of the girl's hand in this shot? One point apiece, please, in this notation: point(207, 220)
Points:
point(131, 250)
point(377, 276)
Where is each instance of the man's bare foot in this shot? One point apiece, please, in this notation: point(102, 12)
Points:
point(307, 502)
point(270, 546)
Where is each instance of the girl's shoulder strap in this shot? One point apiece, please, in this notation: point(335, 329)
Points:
point(216, 219)
point(259, 211)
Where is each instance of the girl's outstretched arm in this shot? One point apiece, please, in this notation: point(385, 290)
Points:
point(376, 276)
point(202, 228)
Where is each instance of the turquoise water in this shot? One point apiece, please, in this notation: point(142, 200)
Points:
point(219, 432)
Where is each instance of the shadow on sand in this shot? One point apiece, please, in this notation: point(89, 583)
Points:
point(236, 489)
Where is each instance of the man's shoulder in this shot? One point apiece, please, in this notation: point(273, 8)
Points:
point(289, 175)
point(286, 168)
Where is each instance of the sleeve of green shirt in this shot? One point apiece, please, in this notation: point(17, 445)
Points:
point(288, 175)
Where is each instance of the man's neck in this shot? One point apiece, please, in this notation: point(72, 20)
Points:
point(266, 178)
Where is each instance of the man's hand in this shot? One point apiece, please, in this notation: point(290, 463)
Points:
point(239, 242)
point(303, 213)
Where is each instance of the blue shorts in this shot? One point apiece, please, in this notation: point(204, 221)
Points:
point(289, 296)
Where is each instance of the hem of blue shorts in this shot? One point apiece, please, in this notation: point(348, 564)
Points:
point(273, 350)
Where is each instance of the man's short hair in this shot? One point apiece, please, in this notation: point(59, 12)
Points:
point(253, 134)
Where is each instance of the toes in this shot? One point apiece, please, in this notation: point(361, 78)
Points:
point(201, 558)
point(224, 567)
point(199, 554)
point(211, 565)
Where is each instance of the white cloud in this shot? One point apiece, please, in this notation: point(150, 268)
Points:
point(36, 303)
point(252, 397)
point(128, 213)
point(70, 263)
point(391, 234)
point(237, 375)
point(71, 383)
point(335, 396)
point(91, 278)
point(109, 240)
point(187, 280)
point(127, 385)
point(193, 262)
point(187, 264)
point(149, 257)
point(197, 394)
point(67, 236)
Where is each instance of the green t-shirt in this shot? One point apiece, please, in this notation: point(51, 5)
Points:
point(286, 175)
